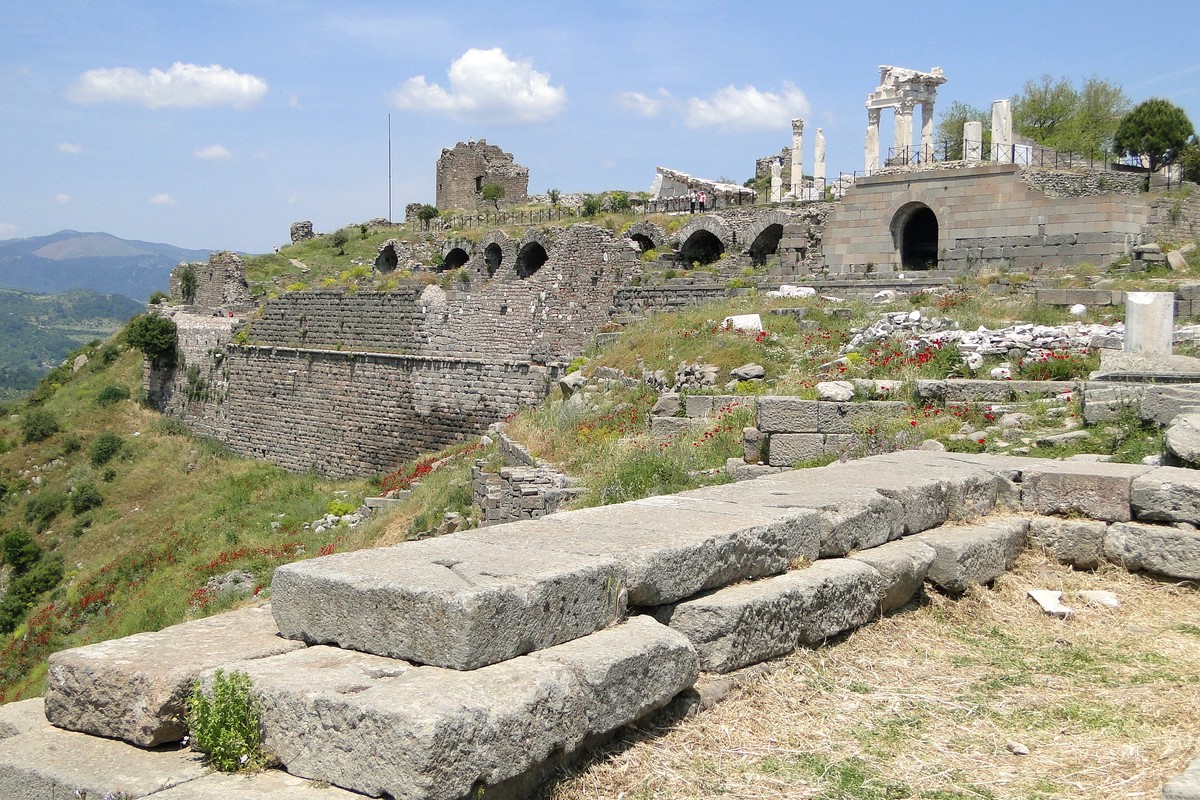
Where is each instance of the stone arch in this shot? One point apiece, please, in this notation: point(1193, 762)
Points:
point(764, 234)
point(915, 231)
point(646, 235)
point(495, 250)
point(705, 240)
point(454, 258)
point(493, 257)
point(387, 259)
point(530, 259)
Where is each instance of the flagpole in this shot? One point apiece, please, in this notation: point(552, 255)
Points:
point(389, 166)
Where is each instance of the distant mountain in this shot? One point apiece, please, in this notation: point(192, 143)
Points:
point(101, 262)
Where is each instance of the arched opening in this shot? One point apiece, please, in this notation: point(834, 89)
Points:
point(530, 259)
point(492, 256)
point(766, 244)
point(701, 247)
point(644, 242)
point(915, 232)
point(387, 260)
point(456, 258)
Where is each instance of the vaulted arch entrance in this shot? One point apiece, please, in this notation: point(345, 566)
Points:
point(915, 234)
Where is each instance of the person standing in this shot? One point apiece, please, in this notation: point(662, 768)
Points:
point(703, 200)
point(692, 199)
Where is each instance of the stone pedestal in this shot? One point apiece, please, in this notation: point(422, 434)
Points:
point(973, 142)
point(1149, 322)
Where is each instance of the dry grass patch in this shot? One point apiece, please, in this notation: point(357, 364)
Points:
point(925, 704)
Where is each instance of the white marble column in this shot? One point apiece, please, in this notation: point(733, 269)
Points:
point(797, 157)
point(1002, 132)
point(927, 130)
point(872, 146)
point(1149, 322)
point(819, 162)
point(972, 141)
point(902, 144)
point(776, 181)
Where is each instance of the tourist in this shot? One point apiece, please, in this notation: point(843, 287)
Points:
point(703, 200)
point(692, 199)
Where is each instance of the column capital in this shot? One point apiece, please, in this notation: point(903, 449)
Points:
point(797, 126)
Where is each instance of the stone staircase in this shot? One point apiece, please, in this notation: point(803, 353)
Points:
point(466, 664)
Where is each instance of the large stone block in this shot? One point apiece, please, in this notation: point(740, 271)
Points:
point(1154, 548)
point(134, 688)
point(751, 622)
point(1077, 542)
point(788, 449)
point(1168, 494)
point(362, 723)
point(974, 554)
point(787, 415)
point(671, 547)
point(43, 762)
point(902, 565)
point(1185, 785)
point(1098, 490)
point(448, 602)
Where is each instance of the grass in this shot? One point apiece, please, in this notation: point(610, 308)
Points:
point(923, 704)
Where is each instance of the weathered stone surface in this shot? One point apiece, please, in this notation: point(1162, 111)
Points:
point(668, 405)
point(751, 622)
point(903, 565)
point(1184, 786)
point(448, 601)
point(1154, 548)
point(435, 733)
point(1097, 490)
point(787, 415)
point(21, 717)
point(671, 547)
point(45, 762)
point(836, 391)
point(1182, 438)
point(1079, 543)
point(974, 554)
point(271, 784)
point(1168, 494)
point(133, 688)
point(789, 449)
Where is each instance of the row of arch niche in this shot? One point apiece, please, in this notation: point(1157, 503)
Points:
point(915, 235)
point(705, 247)
point(530, 259)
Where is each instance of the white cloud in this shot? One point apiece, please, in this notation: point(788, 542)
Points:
point(62, 198)
point(214, 152)
point(70, 148)
point(486, 85)
point(163, 199)
point(181, 86)
point(747, 108)
point(645, 105)
point(7, 229)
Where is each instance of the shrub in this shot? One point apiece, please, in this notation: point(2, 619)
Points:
point(339, 508)
point(153, 335)
point(111, 395)
point(38, 425)
point(43, 507)
point(188, 283)
point(21, 552)
point(158, 297)
point(107, 446)
point(71, 444)
point(85, 498)
point(225, 725)
point(42, 577)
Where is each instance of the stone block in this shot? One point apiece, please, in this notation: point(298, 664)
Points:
point(1095, 490)
point(751, 622)
point(1154, 548)
point(974, 554)
point(1168, 494)
point(271, 784)
point(1185, 785)
point(788, 449)
point(1079, 543)
point(134, 688)
point(448, 601)
point(787, 415)
point(902, 565)
point(671, 547)
point(435, 733)
point(698, 405)
point(43, 762)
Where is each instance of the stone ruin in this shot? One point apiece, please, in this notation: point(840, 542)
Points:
point(218, 284)
point(463, 171)
point(302, 231)
point(902, 90)
point(672, 187)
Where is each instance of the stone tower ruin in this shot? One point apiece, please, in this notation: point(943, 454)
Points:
point(463, 171)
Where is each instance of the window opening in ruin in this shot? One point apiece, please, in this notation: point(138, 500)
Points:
point(915, 233)
point(766, 244)
point(387, 260)
point(478, 184)
point(644, 242)
point(530, 259)
point(456, 258)
point(701, 247)
point(492, 256)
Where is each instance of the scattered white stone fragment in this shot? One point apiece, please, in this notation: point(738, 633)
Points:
point(973, 360)
point(787, 290)
point(1077, 310)
point(837, 391)
point(1099, 597)
point(744, 322)
point(1051, 603)
point(1017, 749)
point(1002, 372)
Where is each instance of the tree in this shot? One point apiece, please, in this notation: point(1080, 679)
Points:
point(338, 239)
point(154, 336)
point(1156, 131)
point(1043, 106)
point(492, 193)
point(1189, 161)
point(1054, 114)
point(188, 282)
point(427, 214)
point(948, 141)
point(554, 195)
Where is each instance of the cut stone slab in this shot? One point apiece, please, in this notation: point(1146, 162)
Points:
point(356, 722)
point(22, 716)
point(47, 762)
point(270, 784)
point(1184, 786)
point(1079, 543)
point(133, 688)
point(1168, 494)
point(448, 601)
point(974, 554)
point(673, 546)
point(1182, 439)
point(1051, 602)
point(1097, 490)
point(751, 622)
point(1154, 548)
point(903, 565)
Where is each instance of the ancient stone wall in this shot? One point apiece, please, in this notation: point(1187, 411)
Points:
point(1082, 182)
point(1175, 218)
point(221, 283)
point(463, 171)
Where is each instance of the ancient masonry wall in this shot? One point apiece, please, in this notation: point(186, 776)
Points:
point(463, 171)
point(221, 283)
point(985, 214)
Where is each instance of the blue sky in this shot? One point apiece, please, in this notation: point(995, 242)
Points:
point(217, 123)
